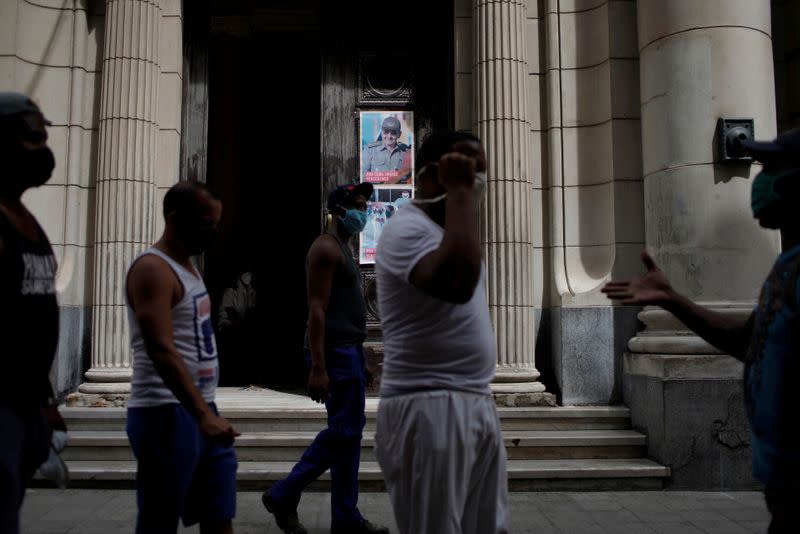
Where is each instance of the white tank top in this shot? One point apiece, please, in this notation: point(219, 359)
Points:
point(193, 334)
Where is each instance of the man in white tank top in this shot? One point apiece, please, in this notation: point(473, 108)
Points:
point(186, 464)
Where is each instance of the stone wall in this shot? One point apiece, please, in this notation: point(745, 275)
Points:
point(594, 174)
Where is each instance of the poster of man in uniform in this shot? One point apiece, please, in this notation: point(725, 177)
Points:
point(383, 204)
point(387, 147)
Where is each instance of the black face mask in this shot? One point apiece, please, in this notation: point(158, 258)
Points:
point(196, 239)
point(33, 167)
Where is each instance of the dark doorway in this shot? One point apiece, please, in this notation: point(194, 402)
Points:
point(264, 163)
point(277, 85)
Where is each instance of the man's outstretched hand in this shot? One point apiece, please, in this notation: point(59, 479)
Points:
point(651, 289)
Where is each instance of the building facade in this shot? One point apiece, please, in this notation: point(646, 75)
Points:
point(600, 122)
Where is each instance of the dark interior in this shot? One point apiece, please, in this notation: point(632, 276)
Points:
point(281, 120)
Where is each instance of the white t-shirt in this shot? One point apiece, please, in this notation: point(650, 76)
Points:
point(428, 343)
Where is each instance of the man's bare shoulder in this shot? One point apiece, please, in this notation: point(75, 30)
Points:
point(325, 249)
point(149, 265)
point(152, 274)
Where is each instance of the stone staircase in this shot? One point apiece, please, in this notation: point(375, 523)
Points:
point(560, 448)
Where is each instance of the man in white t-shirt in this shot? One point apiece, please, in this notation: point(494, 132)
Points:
point(438, 438)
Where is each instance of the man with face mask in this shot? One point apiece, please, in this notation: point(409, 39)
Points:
point(28, 306)
point(768, 342)
point(184, 449)
point(337, 328)
point(438, 437)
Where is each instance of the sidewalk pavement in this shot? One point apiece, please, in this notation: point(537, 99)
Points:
point(110, 511)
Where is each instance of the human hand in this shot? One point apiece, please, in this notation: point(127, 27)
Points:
point(651, 289)
point(218, 429)
point(318, 384)
point(456, 171)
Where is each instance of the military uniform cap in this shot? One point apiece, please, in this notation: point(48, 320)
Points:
point(391, 123)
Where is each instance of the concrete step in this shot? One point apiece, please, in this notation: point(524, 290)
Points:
point(112, 445)
point(523, 475)
point(312, 418)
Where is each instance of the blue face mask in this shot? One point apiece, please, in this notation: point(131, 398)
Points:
point(354, 221)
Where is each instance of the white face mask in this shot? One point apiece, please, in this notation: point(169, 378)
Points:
point(480, 185)
point(480, 189)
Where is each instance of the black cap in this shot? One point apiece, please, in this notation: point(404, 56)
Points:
point(16, 104)
point(345, 193)
point(785, 147)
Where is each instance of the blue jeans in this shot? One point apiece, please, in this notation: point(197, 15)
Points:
point(179, 472)
point(338, 447)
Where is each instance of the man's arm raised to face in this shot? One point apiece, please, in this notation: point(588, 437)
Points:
point(324, 256)
point(727, 333)
point(452, 271)
point(153, 289)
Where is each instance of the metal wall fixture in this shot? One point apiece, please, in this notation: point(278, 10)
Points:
point(730, 135)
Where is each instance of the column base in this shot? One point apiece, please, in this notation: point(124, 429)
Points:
point(687, 397)
point(691, 407)
point(665, 334)
point(517, 386)
point(512, 374)
point(97, 400)
point(102, 381)
point(105, 388)
point(522, 394)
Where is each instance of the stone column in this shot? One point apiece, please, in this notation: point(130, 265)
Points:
point(126, 181)
point(502, 122)
point(699, 61)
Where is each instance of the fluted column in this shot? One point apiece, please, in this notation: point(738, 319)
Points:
point(502, 122)
point(126, 180)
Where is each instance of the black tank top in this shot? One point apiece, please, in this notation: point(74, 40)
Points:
point(28, 315)
point(346, 317)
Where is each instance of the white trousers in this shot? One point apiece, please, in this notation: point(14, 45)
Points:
point(444, 463)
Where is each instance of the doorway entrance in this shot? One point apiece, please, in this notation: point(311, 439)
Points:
point(264, 163)
point(272, 94)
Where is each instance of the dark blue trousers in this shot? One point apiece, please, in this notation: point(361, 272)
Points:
point(24, 445)
point(179, 472)
point(338, 447)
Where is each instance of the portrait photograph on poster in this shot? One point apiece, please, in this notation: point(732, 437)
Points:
point(384, 203)
point(387, 147)
point(396, 196)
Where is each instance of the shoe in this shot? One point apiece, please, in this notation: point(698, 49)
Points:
point(364, 528)
point(286, 519)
